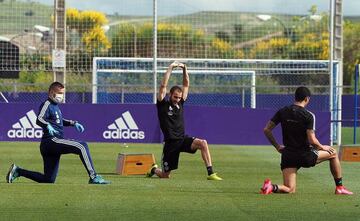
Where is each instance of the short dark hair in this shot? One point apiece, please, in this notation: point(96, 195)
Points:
point(301, 93)
point(56, 84)
point(175, 88)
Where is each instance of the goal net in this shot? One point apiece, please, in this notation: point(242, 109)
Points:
point(213, 82)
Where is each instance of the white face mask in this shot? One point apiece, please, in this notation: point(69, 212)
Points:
point(59, 98)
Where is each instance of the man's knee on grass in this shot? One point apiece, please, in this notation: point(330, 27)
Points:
point(288, 189)
point(162, 174)
point(49, 180)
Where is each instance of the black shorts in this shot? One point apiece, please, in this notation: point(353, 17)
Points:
point(297, 159)
point(171, 152)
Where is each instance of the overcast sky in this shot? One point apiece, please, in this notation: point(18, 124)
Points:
point(169, 7)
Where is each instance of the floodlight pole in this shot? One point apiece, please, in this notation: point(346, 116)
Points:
point(60, 38)
point(331, 67)
point(338, 56)
point(155, 49)
point(336, 72)
point(356, 79)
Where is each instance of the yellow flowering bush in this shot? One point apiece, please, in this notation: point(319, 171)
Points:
point(92, 19)
point(313, 46)
point(310, 46)
point(72, 18)
point(95, 39)
point(222, 49)
point(273, 49)
point(89, 26)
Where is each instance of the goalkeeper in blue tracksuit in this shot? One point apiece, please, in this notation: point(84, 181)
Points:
point(53, 144)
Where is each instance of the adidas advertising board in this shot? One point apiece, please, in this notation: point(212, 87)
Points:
point(26, 127)
point(124, 127)
point(138, 123)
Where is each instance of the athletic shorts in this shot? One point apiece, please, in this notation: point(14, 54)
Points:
point(172, 150)
point(297, 159)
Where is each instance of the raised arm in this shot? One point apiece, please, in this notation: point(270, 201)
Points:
point(186, 81)
point(164, 82)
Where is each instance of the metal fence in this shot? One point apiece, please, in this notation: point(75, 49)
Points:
point(294, 30)
point(186, 29)
point(257, 29)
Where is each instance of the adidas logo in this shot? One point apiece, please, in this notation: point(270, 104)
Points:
point(124, 127)
point(26, 127)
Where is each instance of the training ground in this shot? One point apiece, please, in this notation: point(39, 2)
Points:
point(186, 196)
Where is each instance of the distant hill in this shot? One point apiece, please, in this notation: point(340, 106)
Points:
point(354, 19)
point(20, 17)
point(17, 17)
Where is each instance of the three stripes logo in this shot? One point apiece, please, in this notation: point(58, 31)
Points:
point(124, 127)
point(26, 127)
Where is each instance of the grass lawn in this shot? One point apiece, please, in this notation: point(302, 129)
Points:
point(186, 196)
point(348, 135)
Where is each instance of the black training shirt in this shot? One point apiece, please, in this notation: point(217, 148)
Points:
point(171, 119)
point(295, 120)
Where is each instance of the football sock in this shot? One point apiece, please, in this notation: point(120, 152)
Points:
point(209, 170)
point(338, 181)
point(275, 188)
point(153, 170)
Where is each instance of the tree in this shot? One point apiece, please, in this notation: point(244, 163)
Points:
point(238, 31)
point(222, 49)
point(88, 25)
point(351, 50)
point(124, 41)
point(223, 36)
point(276, 48)
point(313, 9)
point(87, 37)
point(174, 40)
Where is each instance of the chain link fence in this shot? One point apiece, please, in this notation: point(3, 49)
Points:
point(185, 29)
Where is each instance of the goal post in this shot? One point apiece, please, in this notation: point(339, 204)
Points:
point(200, 68)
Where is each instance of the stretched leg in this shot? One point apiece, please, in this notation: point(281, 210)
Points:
point(335, 169)
point(51, 167)
point(333, 158)
point(79, 148)
point(202, 145)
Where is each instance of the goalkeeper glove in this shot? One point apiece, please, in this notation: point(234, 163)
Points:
point(80, 128)
point(51, 130)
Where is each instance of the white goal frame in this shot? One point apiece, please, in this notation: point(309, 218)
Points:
point(228, 71)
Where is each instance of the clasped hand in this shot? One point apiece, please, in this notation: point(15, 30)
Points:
point(176, 64)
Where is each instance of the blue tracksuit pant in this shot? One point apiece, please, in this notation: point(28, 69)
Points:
point(51, 150)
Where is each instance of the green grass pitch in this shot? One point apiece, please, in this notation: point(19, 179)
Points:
point(186, 196)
